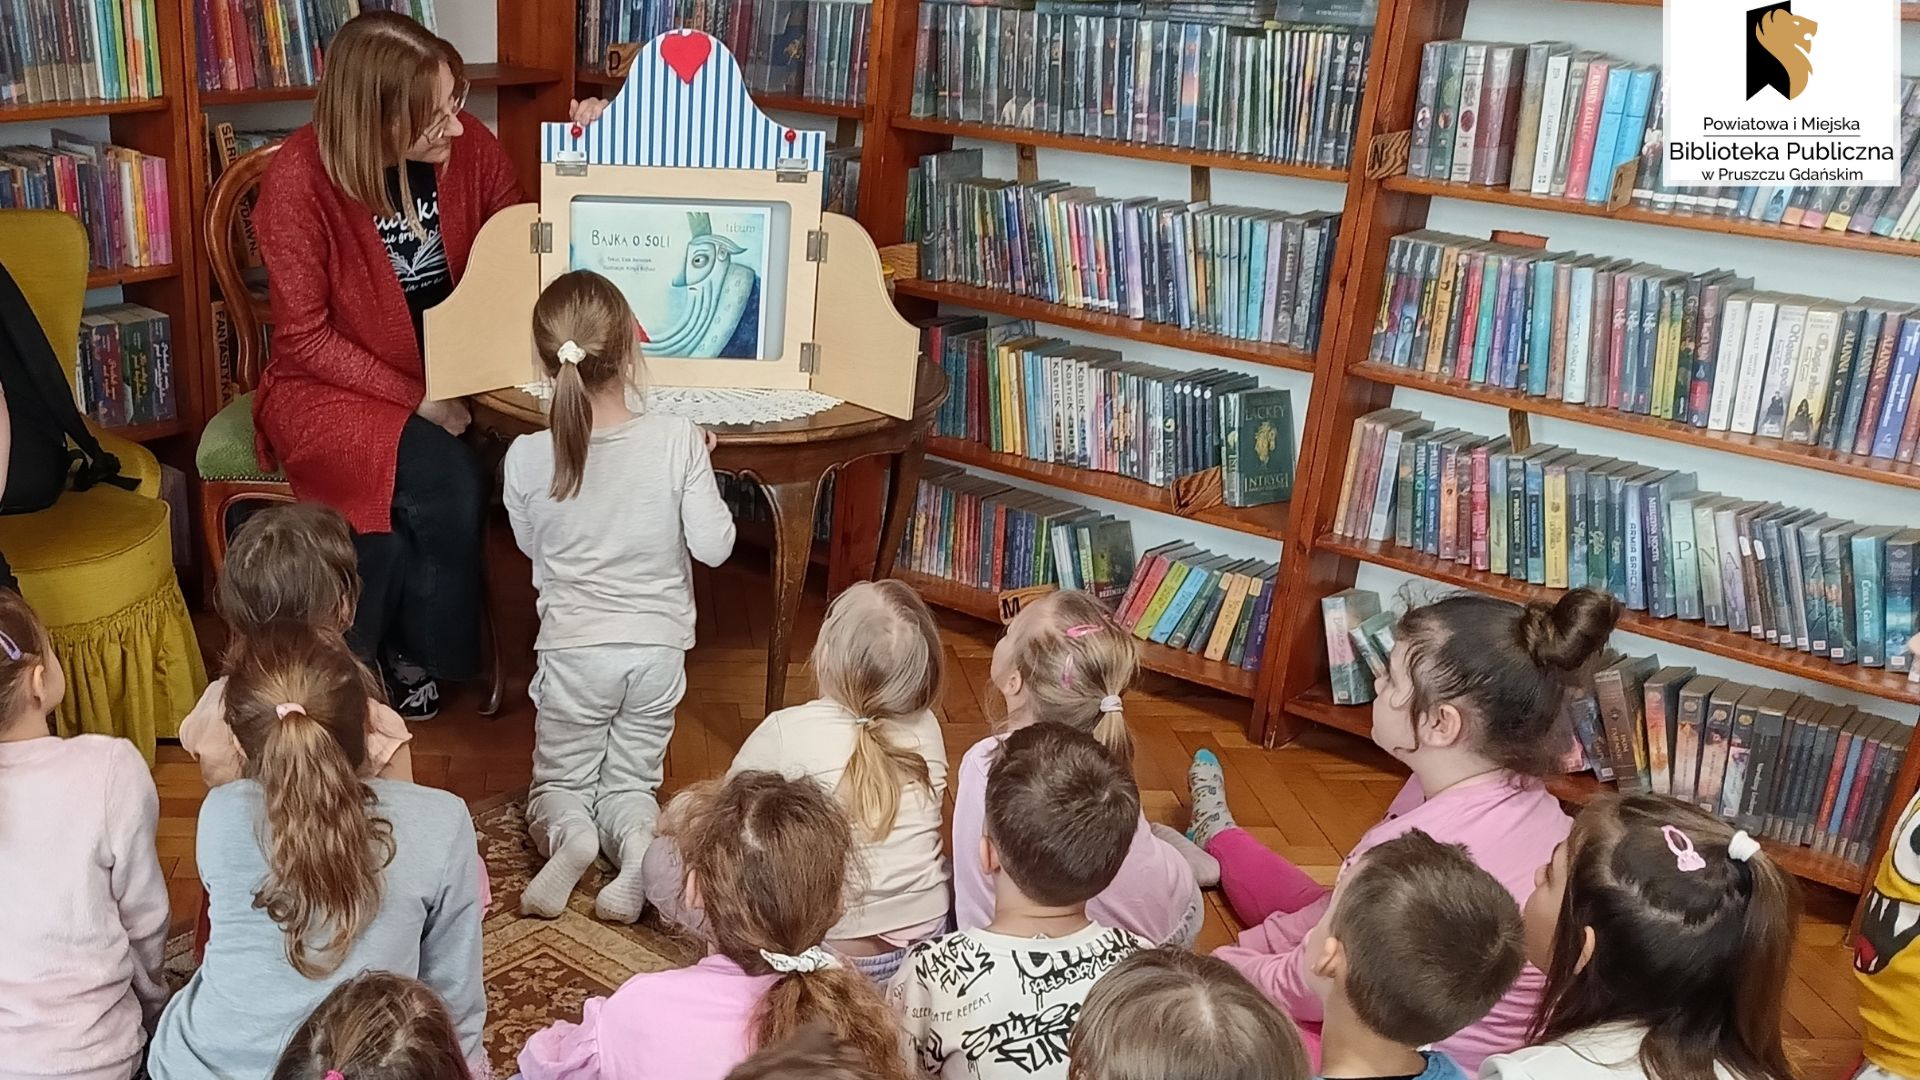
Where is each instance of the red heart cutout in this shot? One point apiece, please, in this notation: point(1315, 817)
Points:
point(686, 54)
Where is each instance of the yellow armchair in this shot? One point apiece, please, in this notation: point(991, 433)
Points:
point(97, 566)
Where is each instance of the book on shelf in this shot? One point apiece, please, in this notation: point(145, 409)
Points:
point(73, 50)
point(1703, 349)
point(124, 373)
point(1781, 765)
point(816, 49)
point(1342, 614)
point(227, 144)
point(841, 191)
point(1797, 580)
point(1235, 272)
point(244, 46)
point(120, 195)
point(1017, 392)
point(1176, 75)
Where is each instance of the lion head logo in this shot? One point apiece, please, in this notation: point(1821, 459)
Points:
point(1777, 45)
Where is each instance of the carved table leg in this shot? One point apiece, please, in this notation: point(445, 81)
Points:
point(793, 509)
point(903, 484)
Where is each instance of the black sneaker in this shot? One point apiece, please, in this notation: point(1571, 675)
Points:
point(414, 693)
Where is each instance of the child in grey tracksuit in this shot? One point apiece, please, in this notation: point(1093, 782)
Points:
point(611, 505)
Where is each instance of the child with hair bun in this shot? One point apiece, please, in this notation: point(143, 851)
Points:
point(766, 865)
point(83, 916)
point(1666, 936)
point(292, 562)
point(315, 870)
point(1163, 1014)
point(612, 506)
point(1471, 704)
point(871, 740)
point(1064, 659)
point(376, 1026)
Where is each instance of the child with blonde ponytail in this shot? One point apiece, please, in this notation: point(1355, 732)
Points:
point(610, 504)
point(315, 870)
point(871, 739)
point(1064, 659)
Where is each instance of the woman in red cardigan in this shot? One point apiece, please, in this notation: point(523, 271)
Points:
point(365, 220)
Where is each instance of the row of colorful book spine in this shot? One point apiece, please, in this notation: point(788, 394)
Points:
point(1547, 515)
point(72, 50)
point(120, 195)
point(1048, 399)
point(278, 43)
point(817, 49)
point(1192, 600)
point(1703, 349)
point(1236, 272)
point(984, 534)
point(1285, 93)
point(124, 367)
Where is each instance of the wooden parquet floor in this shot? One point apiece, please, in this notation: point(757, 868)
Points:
point(1309, 801)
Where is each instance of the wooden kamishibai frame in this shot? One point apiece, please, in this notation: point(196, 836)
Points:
point(707, 213)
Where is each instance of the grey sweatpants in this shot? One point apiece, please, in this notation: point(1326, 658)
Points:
point(603, 716)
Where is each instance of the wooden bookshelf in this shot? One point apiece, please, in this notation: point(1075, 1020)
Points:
point(1579, 789)
point(132, 275)
point(1880, 683)
point(63, 110)
point(142, 433)
point(1000, 302)
point(1175, 155)
point(490, 76)
point(1779, 451)
point(1269, 520)
point(1878, 245)
point(982, 604)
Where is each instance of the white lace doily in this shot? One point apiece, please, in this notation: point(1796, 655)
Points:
point(714, 406)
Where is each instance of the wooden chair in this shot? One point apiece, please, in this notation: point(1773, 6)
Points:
point(230, 475)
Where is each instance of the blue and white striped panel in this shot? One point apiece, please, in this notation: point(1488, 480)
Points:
point(658, 120)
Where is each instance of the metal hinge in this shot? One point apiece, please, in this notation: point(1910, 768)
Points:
point(816, 245)
point(540, 240)
point(569, 168)
point(791, 171)
point(809, 357)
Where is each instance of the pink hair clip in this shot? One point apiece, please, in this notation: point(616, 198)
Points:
point(6, 643)
point(333, 1074)
point(1083, 630)
point(1684, 857)
point(288, 708)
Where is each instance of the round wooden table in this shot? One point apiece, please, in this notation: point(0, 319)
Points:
point(791, 460)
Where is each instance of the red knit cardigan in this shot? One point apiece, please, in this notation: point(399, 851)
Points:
point(346, 371)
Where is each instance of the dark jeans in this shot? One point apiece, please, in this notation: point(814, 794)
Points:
point(420, 584)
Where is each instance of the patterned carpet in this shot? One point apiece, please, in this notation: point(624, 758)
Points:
point(537, 971)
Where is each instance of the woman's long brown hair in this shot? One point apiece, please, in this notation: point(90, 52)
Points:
point(767, 857)
point(590, 311)
point(297, 702)
point(1697, 957)
point(376, 96)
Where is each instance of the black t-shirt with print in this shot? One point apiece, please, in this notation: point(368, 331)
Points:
point(419, 262)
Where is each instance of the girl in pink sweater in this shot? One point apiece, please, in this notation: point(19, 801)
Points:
point(1471, 703)
point(1064, 659)
point(84, 919)
point(766, 865)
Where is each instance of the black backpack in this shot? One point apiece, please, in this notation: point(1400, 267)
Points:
point(45, 419)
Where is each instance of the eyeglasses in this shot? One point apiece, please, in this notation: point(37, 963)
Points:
point(447, 116)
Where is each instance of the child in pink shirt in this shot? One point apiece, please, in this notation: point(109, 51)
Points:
point(292, 561)
point(83, 919)
point(766, 863)
point(1064, 659)
point(1471, 703)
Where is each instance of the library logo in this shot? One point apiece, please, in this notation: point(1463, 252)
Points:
point(1778, 47)
point(1809, 97)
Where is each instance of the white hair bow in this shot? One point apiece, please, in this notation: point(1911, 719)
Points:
point(570, 353)
point(814, 959)
point(1742, 847)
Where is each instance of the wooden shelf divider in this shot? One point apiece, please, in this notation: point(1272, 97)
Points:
point(1001, 302)
point(1087, 144)
point(62, 110)
point(1878, 245)
point(480, 75)
point(1268, 521)
point(132, 275)
point(1877, 682)
point(1779, 451)
point(1176, 662)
